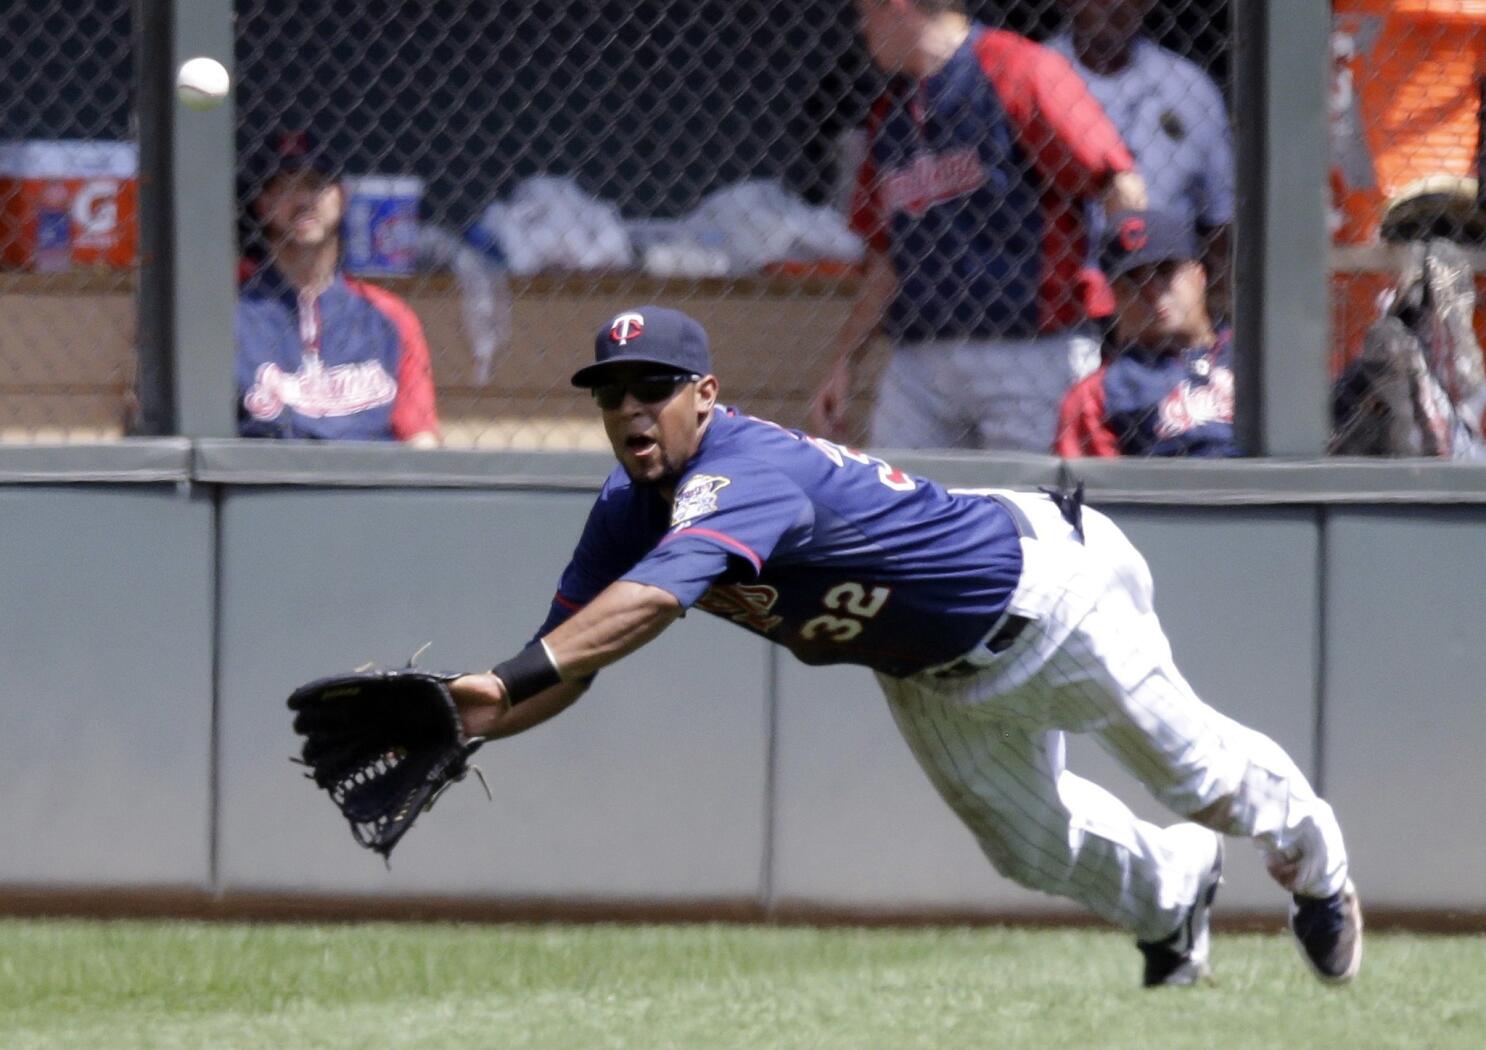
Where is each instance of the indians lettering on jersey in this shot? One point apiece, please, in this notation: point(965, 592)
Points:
point(697, 498)
point(749, 604)
point(932, 178)
point(1189, 406)
point(319, 392)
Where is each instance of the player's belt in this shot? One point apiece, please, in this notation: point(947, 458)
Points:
point(1018, 516)
point(1007, 630)
point(1010, 630)
point(1009, 627)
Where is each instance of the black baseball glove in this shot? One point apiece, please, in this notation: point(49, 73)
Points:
point(385, 744)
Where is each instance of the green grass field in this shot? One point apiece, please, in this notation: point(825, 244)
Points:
point(163, 986)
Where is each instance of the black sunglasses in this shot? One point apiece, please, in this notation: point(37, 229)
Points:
point(648, 390)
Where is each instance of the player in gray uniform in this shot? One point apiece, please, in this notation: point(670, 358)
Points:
point(995, 621)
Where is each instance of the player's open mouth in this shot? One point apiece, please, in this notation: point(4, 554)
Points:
point(640, 444)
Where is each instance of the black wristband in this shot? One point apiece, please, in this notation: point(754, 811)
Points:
point(527, 673)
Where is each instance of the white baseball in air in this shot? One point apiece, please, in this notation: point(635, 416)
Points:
point(202, 83)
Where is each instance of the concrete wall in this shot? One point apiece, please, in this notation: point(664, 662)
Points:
point(150, 631)
point(652, 787)
point(106, 658)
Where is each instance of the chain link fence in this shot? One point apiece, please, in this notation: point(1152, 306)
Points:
point(1408, 228)
point(518, 172)
point(570, 160)
point(67, 220)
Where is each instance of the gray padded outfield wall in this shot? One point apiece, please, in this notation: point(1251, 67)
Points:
point(181, 591)
point(653, 787)
point(105, 654)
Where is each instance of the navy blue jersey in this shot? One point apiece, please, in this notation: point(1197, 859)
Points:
point(350, 364)
point(1173, 404)
point(831, 553)
point(977, 183)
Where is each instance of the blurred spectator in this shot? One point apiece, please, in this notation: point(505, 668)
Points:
point(1417, 388)
point(983, 156)
point(319, 354)
point(1170, 114)
point(1168, 389)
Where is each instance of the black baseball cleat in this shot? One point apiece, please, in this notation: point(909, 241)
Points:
point(1328, 931)
point(1181, 960)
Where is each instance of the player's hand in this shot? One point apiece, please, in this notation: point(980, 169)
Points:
point(481, 699)
point(828, 407)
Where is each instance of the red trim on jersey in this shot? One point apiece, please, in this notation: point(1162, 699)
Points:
point(724, 539)
point(1075, 148)
point(1082, 427)
point(867, 218)
point(1061, 125)
point(413, 412)
point(566, 602)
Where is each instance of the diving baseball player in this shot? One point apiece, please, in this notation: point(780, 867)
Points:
point(995, 622)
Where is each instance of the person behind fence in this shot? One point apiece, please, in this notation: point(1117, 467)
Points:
point(1167, 389)
point(320, 354)
point(995, 621)
point(1418, 387)
point(983, 157)
point(1170, 114)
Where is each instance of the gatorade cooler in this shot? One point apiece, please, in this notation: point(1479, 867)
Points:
point(67, 203)
point(381, 225)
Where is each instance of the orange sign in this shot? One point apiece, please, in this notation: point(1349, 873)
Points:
point(66, 204)
point(1404, 102)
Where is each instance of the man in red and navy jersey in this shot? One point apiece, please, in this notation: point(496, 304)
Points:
point(984, 157)
point(321, 355)
point(1168, 389)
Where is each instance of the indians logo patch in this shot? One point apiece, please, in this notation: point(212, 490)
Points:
point(697, 498)
point(1191, 405)
point(319, 392)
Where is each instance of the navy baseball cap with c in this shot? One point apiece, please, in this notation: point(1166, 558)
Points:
point(650, 335)
point(1143, 238)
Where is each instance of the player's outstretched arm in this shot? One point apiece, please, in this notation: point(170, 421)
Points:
point(484, 711)
point(622, 618)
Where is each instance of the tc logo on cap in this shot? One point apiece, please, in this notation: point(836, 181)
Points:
point(1133, 236)
point(626, 327)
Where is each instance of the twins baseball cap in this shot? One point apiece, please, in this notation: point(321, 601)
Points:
point(651, 335)
point(1141, 238)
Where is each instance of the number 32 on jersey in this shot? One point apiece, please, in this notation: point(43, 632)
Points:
point(855, 605)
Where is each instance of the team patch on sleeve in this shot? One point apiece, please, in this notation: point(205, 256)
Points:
point(697, 498)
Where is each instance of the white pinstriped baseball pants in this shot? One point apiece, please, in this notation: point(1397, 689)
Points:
point(1096, 661)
